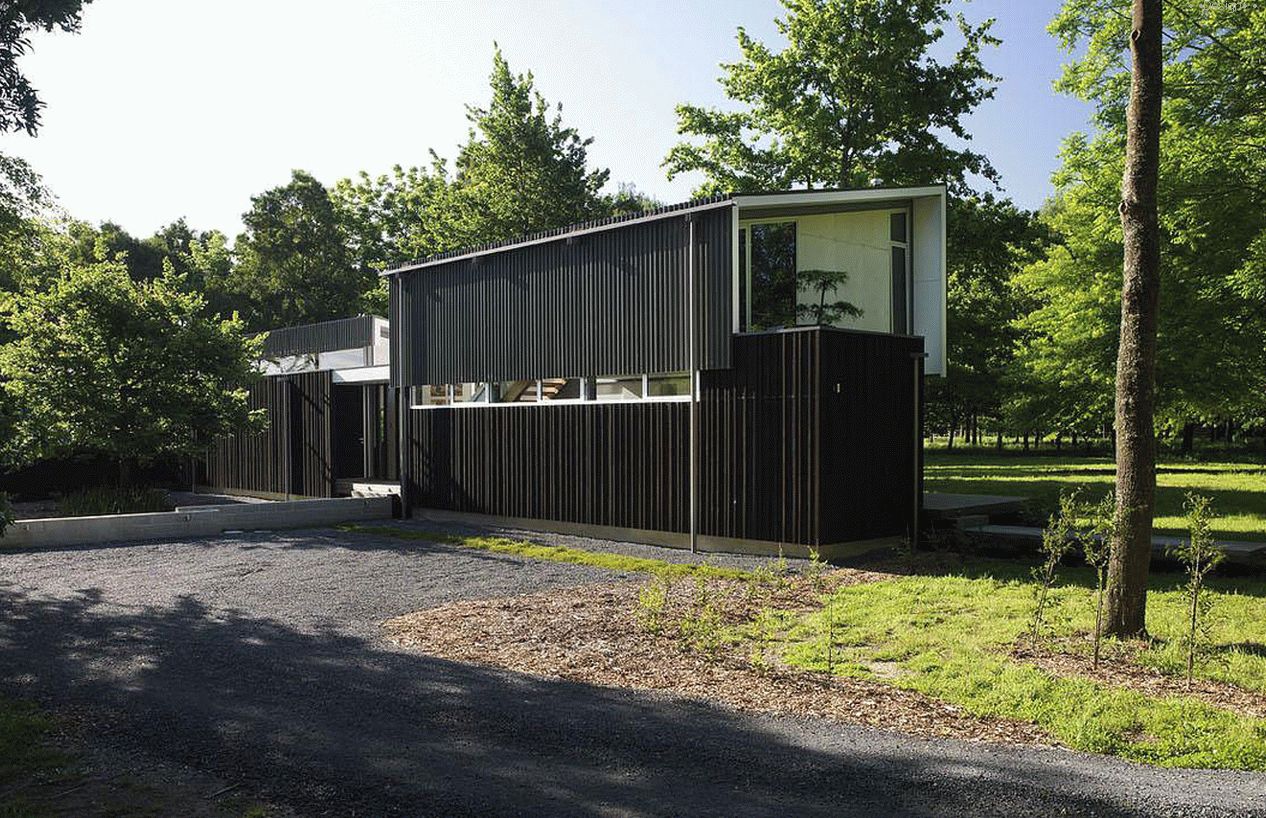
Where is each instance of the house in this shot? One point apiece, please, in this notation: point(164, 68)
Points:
point(654, 377)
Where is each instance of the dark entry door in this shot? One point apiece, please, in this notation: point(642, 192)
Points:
point(349, 431)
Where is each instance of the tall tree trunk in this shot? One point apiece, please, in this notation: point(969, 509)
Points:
point(1136, 356)
point(1188, 437)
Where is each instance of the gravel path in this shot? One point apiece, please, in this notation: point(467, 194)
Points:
point(259, 658)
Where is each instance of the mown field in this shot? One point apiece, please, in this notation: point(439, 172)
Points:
point(1238, 489)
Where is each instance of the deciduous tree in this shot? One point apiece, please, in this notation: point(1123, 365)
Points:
point(101, 363)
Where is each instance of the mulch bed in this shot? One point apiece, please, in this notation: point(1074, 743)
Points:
point(592, 634)
point(1121, 669)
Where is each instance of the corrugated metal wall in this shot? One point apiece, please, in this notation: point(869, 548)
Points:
point(327, 336)
point(784, 457)
point(293, 455)
point(609, 302)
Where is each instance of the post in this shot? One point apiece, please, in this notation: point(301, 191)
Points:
point(692, 346)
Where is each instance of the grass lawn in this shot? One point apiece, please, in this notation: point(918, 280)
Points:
point(23, 753)
point(952, 638)
point(1238, 489)
point(555, 553)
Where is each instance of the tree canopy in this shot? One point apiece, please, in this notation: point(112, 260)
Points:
point(136, 370)
point(853, 100)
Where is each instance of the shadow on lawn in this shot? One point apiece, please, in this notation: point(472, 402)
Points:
point(327, 721)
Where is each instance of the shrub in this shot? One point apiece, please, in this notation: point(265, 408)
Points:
point(1097, 545)
point(651, 600)
point(1057, 541)
point(6, 513)
point(1199, 555)
point(113, 500)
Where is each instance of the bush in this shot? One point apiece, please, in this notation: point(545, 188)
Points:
point(113, 500)
point(6, 513)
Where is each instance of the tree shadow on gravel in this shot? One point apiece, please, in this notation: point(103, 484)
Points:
point(332, 723)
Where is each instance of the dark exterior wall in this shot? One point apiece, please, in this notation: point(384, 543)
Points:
point(870, 435)
point(293, 455)
point(326, 336)
point(615, 464)
point(783, 456)
point(605, 303)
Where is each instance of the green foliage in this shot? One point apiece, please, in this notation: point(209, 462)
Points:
point(1199, 555)
point(952, 637)
point(113, 500)
point(293, 264)
point(651, 600)
point(20, 104)
point(823, 282)
point(989, 241)
point(1058, 539)
point(100, 363)
point(6, 513)
point(854, 98)
point(521, 170)
point(1096, 546)
point(700, 628)
point(1213, 233)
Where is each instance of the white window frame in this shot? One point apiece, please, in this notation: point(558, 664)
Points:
point(586, 398)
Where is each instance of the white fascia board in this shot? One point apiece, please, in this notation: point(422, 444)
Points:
point(362, 374)
point(820, 197)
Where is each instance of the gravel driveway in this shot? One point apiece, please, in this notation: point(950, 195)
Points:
point(258, 658)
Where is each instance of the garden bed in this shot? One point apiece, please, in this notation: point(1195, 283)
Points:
point(933, 652)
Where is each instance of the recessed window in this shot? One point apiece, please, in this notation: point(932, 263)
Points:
point(897, 225)
point(430, 395)
point(518, 391)
point(900, 300)
point(667, 386)
point(623, 388)
point(561, 389)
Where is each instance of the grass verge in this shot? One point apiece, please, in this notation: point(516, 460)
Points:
point(1238, 489)
point(952, 637)
point(555, 553)
point(24, 754)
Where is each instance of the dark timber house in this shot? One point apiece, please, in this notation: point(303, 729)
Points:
point(647, 377)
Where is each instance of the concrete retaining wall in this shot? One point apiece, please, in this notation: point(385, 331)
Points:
point(191, 522)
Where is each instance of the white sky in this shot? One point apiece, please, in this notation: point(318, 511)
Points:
point(158, 110)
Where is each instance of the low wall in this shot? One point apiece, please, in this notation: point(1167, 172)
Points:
point(191, 522)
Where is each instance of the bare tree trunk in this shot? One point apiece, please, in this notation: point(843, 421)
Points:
point(1136, 356)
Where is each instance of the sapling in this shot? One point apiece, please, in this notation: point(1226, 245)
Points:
point(1199, 555)
point(1057, 541)
point(1097, 545)
point(816, 570)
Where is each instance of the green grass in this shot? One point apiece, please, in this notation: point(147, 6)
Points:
point(555, 553)
point(1238, 489)
point(23, 752)
point(950, 638)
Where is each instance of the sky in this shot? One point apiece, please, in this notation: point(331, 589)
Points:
point(161, 109)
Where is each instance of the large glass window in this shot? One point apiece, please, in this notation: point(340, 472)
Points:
point(667, 386)
point(625, 388)
point(899, 236)
point(773, 274)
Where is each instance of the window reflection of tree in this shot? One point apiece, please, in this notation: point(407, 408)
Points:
point(773, 275)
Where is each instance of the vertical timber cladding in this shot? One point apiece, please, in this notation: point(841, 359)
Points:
point(293, 454)
point(610, 302)
point(870, 434)
point(808, 439)
point(621, 465)
point(759, 447)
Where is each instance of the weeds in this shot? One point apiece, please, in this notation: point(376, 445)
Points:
point(651, 601)
point(701, 629)
point(816, 572)
point(1199, 555)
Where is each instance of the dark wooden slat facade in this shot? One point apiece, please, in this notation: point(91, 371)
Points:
point(293, 454)
point(810, 438)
